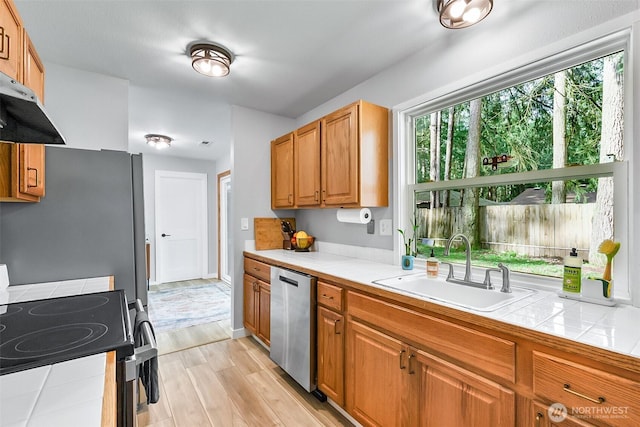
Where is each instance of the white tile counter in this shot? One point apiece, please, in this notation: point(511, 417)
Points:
point(64, 394)
point(612, 328)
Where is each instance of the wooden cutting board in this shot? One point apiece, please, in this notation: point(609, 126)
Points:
point(267, 232)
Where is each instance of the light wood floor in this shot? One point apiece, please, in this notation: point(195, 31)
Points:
point(232, 383)
point(192, 336)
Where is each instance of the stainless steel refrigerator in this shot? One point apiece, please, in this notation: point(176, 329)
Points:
point(90, 222)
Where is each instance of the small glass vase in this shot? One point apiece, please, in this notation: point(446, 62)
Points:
point(407, 262)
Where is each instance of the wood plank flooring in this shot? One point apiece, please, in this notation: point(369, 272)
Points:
point(184, 338)
point(232, 383)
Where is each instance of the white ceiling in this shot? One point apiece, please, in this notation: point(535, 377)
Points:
point(291, 55)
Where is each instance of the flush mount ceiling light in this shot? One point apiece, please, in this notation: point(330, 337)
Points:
point(463, 13)
point(158, 141)
point(210, 59)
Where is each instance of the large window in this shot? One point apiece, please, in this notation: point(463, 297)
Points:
point(526, 172)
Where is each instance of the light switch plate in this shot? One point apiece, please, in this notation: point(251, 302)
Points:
point(385, 227)
point(244, 223)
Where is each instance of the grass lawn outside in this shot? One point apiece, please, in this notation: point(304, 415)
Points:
point(552, 267)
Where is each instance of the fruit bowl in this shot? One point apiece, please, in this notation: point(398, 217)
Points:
point(302, 244)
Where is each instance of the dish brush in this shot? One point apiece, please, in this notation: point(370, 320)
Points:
point(609, 248)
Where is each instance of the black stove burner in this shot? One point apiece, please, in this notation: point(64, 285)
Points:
point(53, 340)
point(11, 310)
point(43, 332)
point(68, 306)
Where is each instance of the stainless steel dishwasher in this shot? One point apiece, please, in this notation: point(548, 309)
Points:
point(293, 325)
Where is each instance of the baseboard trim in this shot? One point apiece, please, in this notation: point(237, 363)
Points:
point(343, 413)
point(211, 276)
point(239, 333)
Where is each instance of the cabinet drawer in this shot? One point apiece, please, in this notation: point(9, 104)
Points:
point(594, 395)
point(485, 352)
point(258, 269)
point(330, 296)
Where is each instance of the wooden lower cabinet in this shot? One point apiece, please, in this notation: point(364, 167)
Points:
point(451, 396)
point(264, 313)
point(543, 416)
point(390, 383)
point(331, 354)
point(257, 307)
point(250, 305)
point(376, 377)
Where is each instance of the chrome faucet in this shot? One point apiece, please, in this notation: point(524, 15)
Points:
point(506, 286)
point(506, 278)
point(467, 250)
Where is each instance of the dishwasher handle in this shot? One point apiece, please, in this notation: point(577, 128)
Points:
point(289, 281)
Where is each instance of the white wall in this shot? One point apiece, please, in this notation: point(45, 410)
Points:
point(151, 163)
point(90, 110)
point(252, 132)
point(187, 118)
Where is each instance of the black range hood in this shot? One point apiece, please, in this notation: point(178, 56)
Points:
point(22, 117)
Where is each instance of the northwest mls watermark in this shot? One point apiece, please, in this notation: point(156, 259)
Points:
point(558, 412)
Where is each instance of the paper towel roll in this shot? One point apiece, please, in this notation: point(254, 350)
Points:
point(4, 277)
point(354, 216)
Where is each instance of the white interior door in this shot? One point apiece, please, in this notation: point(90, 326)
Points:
point(181, 230)
point(224, 210)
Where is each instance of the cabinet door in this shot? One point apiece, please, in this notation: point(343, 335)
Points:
point(306, 153)
point(282, 172)
point(250, 306)
point(264, 312)
point(331, 354)
point(375, 377)
point(32, 178)
point(340, 164)
point(451, 396)
point(33, 72)
point(11, 43)
point(542, 417)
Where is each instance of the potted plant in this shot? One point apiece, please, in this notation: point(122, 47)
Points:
point(410, 248)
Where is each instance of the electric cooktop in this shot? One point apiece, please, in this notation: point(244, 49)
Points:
point(43, 332)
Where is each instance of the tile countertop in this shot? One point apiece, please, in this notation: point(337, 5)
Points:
point(64, 394)
point(611, 328)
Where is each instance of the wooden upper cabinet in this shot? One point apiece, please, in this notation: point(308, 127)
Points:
point(31, 166)
point(33, 70)
point(22, 177)
point(354, 156)
point(282, 172)
point(11, 43)
point(340, 165)
point(306, 154)
point(341, 160)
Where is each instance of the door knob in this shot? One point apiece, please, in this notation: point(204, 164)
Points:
point(165, 235)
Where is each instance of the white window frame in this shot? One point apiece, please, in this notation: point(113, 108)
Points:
point(622, 171)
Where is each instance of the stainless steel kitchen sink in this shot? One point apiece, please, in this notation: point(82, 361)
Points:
point(460, 295)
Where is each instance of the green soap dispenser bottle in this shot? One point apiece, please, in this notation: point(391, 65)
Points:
point(572, 273)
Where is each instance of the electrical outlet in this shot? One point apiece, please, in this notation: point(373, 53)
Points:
point(385, 227)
